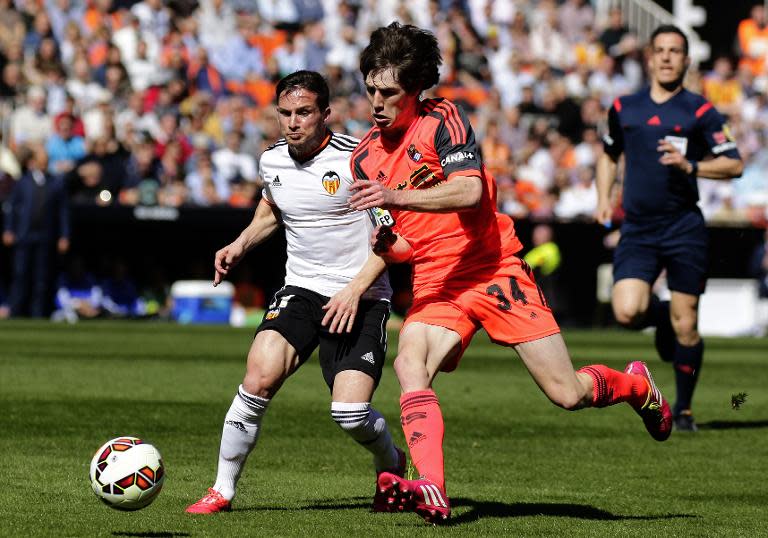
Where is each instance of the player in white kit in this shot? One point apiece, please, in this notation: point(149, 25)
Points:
point(335, 294)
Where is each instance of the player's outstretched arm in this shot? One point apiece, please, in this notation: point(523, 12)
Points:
point(265, 222)
point(606, 177)
point(341, 309)
point(721, 167)
point(460, 193)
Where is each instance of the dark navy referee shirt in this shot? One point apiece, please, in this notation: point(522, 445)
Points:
point(635, 125)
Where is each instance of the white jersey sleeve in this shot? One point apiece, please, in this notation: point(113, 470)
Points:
point(266, 192)
point(328, 242)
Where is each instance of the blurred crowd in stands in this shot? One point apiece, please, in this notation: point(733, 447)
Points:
point(167, 102)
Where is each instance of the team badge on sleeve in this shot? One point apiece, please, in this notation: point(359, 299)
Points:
point(724, 140)
point(331, 182)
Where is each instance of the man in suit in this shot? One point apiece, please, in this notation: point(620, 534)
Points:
point(36, 220)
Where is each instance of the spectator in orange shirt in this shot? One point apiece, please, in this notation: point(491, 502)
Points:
point(722, 88)
point(753, 40)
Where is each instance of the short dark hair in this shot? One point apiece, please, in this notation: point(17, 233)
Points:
point(307, 80)
point(670, 29)
point(411, 52)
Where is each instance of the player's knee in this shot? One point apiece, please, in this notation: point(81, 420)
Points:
point(409, 367)
point(627, 315)
point(685, 329)
point(262, 382)
point(403, 364)
point(266, 368)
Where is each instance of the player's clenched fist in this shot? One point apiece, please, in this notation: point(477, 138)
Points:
point(225, 259)
point(389, 246)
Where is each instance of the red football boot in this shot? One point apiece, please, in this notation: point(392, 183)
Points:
point(655, 412)
point(380, 499)
point(421, 496)
point(211, 503)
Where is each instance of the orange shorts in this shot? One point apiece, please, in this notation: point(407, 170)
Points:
point(509, 306)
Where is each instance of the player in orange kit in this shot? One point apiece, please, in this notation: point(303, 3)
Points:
point(421, 161)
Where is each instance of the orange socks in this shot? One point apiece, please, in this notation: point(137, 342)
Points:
point(612, 386)
point(423, 427)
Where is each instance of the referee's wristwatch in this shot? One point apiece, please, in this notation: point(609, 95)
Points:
point(694, 169)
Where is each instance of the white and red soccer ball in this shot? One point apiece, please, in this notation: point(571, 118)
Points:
point(127, 473)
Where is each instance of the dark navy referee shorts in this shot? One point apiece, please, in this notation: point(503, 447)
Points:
point(677, 243)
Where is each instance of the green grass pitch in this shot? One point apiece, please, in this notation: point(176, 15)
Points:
point(516, 465)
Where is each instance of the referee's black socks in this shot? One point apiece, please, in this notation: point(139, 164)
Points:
point(687, 365)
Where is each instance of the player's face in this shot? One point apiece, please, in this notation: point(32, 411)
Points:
point(301, 121)
point(392, 107)
point(668, 60)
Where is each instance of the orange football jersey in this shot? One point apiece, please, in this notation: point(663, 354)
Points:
point(454, 249)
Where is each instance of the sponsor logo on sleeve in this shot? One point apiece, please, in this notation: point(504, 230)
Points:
point(719, 137)
point(457, 157)
point(724, 140)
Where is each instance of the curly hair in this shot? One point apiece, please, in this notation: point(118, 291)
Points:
point(411, 52)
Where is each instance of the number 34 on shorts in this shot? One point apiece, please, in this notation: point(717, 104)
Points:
point(514, 294)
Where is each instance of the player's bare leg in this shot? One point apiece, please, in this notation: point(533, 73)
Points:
point(630, 299)
point(687, 358)
point(677, 338)
point(635, 307)
point(549, 364)
point(352, 411)
point(422, 350)
point(271, 360)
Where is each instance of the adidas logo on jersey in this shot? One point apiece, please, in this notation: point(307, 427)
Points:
point(276, 182)
point(368, 357)
point(381, 176)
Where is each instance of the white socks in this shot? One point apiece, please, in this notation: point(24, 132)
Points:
point(242, 425)
point(366, 426)
point(241, 431)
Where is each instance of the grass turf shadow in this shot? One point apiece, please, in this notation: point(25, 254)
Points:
point(485, 509)
point(733, 425)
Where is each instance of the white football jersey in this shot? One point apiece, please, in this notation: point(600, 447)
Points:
point(328, 241)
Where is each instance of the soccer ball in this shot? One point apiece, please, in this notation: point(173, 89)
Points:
point(127, 473)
